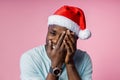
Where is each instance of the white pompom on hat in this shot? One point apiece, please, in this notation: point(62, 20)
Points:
point(73, 19)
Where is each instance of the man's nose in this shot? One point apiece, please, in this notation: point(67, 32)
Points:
point(55, 40)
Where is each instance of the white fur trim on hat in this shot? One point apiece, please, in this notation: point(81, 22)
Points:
point(69, 24)
point(84, 34)
point(64, 22)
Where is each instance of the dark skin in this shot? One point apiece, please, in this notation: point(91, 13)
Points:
point(61, 47)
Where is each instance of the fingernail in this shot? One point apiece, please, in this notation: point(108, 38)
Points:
point(53, 47)
point(63, 31)
point(68, 31)
point(64, 41)
point(49, 41)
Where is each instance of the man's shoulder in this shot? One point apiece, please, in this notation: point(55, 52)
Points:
point(82, 59)
point(35, 52)
point(81, 56)
point(81, 53)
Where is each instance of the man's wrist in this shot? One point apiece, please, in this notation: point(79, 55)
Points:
point(51, 77)
point(53, 65)
point(71, 62)
point(55, 71)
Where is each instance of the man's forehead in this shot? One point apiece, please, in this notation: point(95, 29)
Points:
point(56, 27)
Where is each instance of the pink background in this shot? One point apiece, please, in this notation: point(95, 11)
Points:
point(23, 25)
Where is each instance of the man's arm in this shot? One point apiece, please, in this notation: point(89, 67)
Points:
point(87, 69)
point(51, 77)
point(72, 72)
point(70, 43)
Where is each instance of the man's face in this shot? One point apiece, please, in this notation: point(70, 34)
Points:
point(54, 33)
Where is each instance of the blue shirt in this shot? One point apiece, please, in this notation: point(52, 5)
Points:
point(35, 64)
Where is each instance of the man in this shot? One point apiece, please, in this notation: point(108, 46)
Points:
point(59, 59)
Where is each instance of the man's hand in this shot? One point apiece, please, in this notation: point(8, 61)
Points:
point(58, 53)
point(70, 45)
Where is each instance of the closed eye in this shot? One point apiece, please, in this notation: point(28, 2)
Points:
point(53, 32)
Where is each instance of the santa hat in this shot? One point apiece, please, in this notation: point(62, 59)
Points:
point(73, 19)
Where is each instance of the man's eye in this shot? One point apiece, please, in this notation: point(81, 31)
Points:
point(53, 32)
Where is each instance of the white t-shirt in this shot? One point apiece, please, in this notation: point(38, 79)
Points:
point(35, 64)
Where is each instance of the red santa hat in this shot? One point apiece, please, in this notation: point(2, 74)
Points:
point(73, 19)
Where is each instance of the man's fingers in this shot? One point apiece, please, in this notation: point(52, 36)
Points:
point(67, 47)
point(60, 40)
point(69, 43)
point(71, 36)
point(62, 45)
